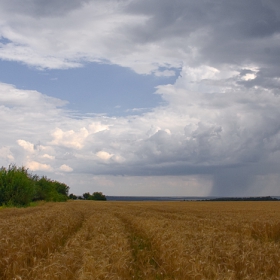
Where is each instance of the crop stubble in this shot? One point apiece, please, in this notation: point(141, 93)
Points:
point(141, 240)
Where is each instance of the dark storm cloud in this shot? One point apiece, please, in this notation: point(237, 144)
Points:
point(233, 28)
point(168, 19)
point(241, 18)
point(236, 19)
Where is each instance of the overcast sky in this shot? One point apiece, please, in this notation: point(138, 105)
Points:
point(137, 97)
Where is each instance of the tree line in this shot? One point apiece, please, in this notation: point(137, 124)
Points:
point(88, 196)
point(20, 188)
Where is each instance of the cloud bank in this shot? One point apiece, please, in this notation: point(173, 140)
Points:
point(217, 128)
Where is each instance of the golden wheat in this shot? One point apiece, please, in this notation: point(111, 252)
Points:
point(141, 240)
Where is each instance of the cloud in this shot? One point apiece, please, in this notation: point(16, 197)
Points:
point(29, 147)
point(6, 154)
point(96, 127)
point(219, 120)
point(25, 54)
point(211, 125)
point(11, 97)
point(104, 155)
point(65, 168)
point(37, 166)
point(70, 139)
point(48, 156)
point(139, 185)
point(147, 36)
point(42, 8)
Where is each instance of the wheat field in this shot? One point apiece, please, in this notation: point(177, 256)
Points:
point(141, 240)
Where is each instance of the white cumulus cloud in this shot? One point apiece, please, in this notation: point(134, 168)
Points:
point(70, 138)
point(104, 155)
point(65, 168)
point(37, 166)
point(29, 147)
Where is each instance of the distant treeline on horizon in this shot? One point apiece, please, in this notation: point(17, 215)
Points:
point(189, 198)
point(258, 198)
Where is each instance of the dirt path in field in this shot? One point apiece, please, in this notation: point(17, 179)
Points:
point(146, 263)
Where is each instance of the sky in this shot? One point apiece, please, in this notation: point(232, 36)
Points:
point(144, 98)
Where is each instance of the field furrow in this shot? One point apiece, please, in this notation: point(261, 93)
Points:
point(146, 264)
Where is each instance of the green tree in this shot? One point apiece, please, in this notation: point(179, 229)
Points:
point(19, 188)
point(98, 196)
point(86, 196)
point(61, 188)
point(16, 186)
point(49, 190)
point(72, 196)
point(94, 196)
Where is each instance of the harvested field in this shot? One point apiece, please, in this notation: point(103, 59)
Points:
point(141, 240)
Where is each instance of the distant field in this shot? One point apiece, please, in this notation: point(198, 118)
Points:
point(141, 240)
